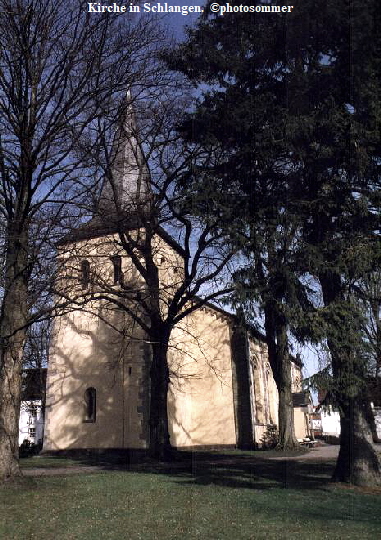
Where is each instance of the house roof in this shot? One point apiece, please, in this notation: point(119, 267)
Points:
point(301, 399)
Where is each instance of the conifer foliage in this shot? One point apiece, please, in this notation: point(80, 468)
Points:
point(289, 108)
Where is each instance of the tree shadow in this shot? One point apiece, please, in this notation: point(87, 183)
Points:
point(250, 470)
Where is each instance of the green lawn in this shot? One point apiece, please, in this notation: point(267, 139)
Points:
point(232, 498)
point(37, 462)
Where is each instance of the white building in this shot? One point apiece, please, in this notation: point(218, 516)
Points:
point(330, 422)
point(31, 422)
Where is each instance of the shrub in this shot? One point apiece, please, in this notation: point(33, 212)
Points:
point(28, 448)
point(270, 437)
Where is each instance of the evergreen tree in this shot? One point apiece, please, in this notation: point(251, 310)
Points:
point(291, 112)
point(238, 120)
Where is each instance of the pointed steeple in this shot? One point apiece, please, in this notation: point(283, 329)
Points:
point(127, 190)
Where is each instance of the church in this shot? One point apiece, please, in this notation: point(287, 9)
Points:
point(221, 393)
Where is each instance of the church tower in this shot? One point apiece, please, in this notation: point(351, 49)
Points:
point(98, 382)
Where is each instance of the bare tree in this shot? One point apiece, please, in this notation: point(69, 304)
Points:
point(61, 69)
point(167, 262)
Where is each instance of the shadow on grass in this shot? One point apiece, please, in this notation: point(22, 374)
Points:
point(253, 470)
point(252, 486)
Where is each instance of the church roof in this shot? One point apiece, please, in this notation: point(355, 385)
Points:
point(126, 196)
point(127, 188)
point(99, 226)
point(126, 193)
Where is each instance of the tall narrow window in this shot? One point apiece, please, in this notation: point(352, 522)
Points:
point(90, 405)
point(117, 264)
point(85, 274)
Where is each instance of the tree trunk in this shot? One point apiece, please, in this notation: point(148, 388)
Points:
point(12, 339)
point(277, 343)
point(287, 439)
point(159, 444)
point(10, 386)
point(358, 462)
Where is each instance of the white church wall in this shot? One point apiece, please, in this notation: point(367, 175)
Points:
point(265, 393)
point(88, 354)
point(201, 402)
point(96, 346)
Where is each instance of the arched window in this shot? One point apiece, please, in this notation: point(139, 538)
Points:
point(85, 274)
point(117, 264)
point(90, 405)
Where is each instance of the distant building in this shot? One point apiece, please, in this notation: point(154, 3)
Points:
point(302, 404)
point(315, 423)
point(330, 416)
point(330, 422)
point(31, 422)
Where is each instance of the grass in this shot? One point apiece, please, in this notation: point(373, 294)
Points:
point(45, 462)
point(206, 496)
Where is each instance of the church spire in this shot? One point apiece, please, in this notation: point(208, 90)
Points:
point(127, 189)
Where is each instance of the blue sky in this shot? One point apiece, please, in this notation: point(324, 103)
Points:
point(176, 22)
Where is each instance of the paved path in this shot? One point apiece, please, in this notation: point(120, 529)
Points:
point(320, 453)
